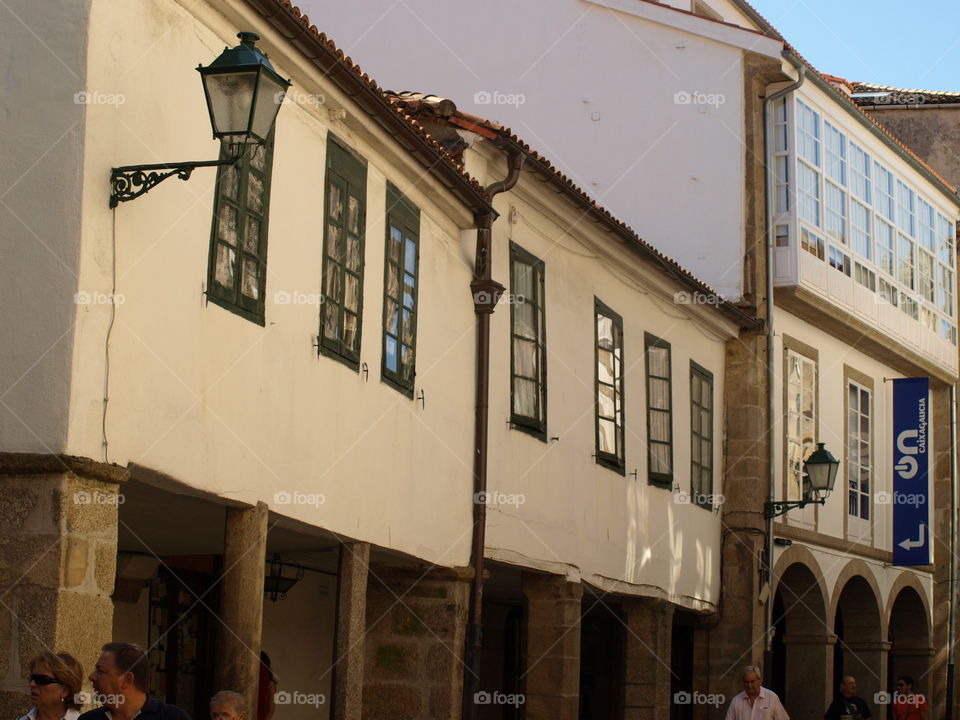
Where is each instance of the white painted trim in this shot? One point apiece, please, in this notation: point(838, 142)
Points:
point(727, 34)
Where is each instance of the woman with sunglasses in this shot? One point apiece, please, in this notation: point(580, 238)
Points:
point(55, 681)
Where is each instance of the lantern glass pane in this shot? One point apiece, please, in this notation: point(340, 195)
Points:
point(230, 95)
point(270, 93)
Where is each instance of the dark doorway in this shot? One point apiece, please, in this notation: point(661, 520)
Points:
point(183, 632)
point(602, 645)
point(681, 664)
point(502, 659)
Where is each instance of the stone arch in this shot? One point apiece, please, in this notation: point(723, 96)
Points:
point(907, 579)
point(803, 642)
point(909, 632)
point(857, 567)
point(862, 647)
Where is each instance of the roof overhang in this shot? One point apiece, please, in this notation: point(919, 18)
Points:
point(748, 40)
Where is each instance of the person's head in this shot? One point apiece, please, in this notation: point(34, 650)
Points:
point(55, 680)
point(752, 677)
point(228, 705)
point(905, 685)
point(122, 672)
point(848, 688)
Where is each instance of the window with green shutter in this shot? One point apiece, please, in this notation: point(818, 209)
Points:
point(608, 348)
point(659, 412)
point(343, 241)
point(237, 267)
point(401, 280)
point(701, 436)
point(528, 356)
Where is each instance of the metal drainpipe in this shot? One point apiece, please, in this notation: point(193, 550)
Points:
point(954, 566)
point(486, 292)
point(771, 375)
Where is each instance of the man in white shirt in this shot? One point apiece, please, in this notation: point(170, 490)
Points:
point(755, 702)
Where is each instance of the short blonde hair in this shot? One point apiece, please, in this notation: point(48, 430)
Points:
point(66, 669)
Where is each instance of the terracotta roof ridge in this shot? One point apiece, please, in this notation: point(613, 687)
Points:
point(890, 88)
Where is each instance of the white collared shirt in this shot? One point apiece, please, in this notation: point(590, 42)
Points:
point(70, 714)
point(766, 707)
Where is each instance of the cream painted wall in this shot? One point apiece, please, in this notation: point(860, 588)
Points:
point(834, 354)
point(219, 402)
point(599, 90)
point(579, 518)
point(247, 412)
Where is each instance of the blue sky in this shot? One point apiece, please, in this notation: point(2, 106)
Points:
point(913, 44)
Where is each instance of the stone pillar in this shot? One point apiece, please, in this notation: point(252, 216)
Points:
point(552, 672)
point(737, 639)
point(244, 564)
point(648, 656)
point(351, 630)
point(809, 680)
point(941, 529)
point(867, 662)
point(58, 544)
point(416, 628)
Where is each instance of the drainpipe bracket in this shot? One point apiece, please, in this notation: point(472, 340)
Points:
point(486, 294)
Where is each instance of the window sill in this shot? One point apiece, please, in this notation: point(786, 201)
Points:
point(255, 318)
point(537, 432)
point(353, 364)
point(399, 387)
point(664, 482)
point(610, 464)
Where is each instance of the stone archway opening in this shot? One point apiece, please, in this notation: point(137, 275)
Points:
point(803, 642)
point(861, 648)
point(909, 634)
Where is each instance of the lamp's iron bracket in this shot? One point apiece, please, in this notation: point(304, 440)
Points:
point(132, 181)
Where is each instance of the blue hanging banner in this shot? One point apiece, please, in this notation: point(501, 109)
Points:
point(911, 452)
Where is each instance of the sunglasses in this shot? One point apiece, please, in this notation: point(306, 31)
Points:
point(44, 680)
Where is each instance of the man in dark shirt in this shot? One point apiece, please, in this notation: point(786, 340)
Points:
point(848, 705)
point(121, 679)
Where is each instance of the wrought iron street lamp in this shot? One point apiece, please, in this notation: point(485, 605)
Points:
point(243, 94)
point(820, 474)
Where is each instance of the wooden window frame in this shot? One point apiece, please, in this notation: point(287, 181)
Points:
point(701, 496)
point(617, 461)
point(405, 216)
point(349, 171)
point(234, 299)
point(664, 480)
point(536, 426)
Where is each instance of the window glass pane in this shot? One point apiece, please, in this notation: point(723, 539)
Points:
point(395, 241)
point(391, 354)
point(659, 360)
point(335, 209)
point(524, 358)
point(226, 261)
point(250, 280)
point(391, 318)
point(227, 225)
point(607, 434)
point(408, 290)
point(254, 193)
point(410, 257)
point(351, 295)
point(407, 335)
point(353, 215)
point(331, 320)
point(352, 256)
point(230, 181)
point(251, 235)
point(333, 241)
